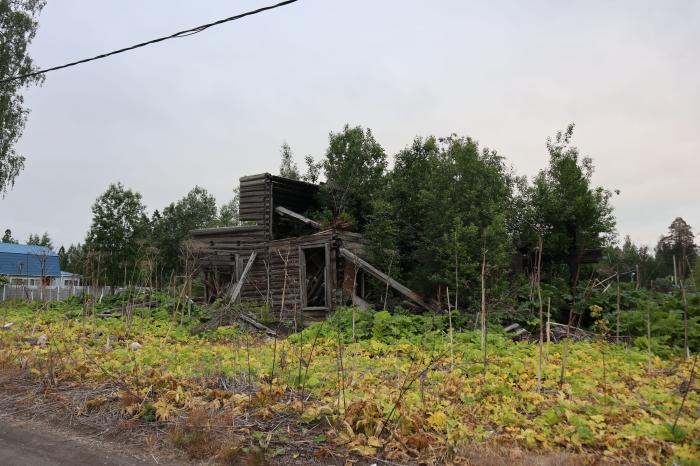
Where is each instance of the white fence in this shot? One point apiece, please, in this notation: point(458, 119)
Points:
point(52, 293)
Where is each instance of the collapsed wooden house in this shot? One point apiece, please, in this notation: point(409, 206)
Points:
point(282, 260)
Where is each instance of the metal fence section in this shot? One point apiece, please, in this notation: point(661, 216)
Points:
point(53, 293)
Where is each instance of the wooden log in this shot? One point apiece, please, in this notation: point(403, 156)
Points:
point(367, 267)
point(284, 211)
point(511, 327)
point(254, 323)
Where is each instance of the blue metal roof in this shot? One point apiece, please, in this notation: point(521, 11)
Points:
point(26, 249)
point(28, 260)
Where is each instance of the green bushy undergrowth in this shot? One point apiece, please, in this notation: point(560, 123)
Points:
point(383, 326)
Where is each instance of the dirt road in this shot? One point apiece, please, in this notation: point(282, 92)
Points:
point(32, 444)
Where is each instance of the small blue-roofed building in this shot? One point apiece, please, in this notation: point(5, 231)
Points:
point(33, 266)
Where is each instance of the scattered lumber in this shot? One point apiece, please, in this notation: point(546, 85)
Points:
point(118, 311)
point(558, 331)
point(359, 302)
point(516, 332)
point(254, 323)
point(511, 327)
point(40, 341)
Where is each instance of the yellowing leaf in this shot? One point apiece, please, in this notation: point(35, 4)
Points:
point(164, 410)
point(375, 442)
point(437, 420)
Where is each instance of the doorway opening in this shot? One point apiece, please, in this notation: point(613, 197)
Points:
point(314, 275)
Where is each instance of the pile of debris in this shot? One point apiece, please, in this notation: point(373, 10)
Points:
point(553, 332)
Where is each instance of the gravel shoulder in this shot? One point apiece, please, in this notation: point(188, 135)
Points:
point(25, 443)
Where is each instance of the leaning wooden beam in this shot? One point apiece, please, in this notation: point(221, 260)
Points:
point(289, 213)
point(239, 285)
point(364, 265)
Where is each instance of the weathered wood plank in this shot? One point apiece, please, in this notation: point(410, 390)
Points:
point(239, 285)
point(284, 211)
point(379, 275)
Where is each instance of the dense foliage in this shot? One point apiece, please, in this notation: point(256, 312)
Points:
point(113, 242)
point(18, 23)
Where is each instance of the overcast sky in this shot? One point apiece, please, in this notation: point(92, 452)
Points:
point(207, 109)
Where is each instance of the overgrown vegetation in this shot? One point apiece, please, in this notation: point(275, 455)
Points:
point(363, 382)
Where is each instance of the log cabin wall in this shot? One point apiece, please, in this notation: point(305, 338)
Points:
point(260, 194)
point(278, 272)
point(255, 204)
point(278, 278)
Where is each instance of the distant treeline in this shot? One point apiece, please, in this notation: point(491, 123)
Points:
point(443, 209)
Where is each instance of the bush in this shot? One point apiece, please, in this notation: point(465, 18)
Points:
point(369, 324)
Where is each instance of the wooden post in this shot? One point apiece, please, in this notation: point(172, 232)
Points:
point(649, 339)
point(675, 276)
point(539, 297)
point(684, 302)
point(484, 324)
point(449, 317)
point(327, 274)
point(549, 329)
point(617, 327)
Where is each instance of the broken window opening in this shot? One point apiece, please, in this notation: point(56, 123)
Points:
point(315, 277)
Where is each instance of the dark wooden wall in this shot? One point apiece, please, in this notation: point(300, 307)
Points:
point(260, 194)
point(276, 272)
point(275, 277)
point(255, 206)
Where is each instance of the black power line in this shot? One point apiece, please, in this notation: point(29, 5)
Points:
point(185, 33)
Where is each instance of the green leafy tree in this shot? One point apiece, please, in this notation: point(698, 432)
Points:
point(62, 257)
point(354, 167)
point(407, 195)
point(565, 207)
point(117, 235)
point(679, 243)
point(43, 240)
point(288, 167)
point(18, 26)
point(468, 202)
point(228, 213)
point(73, 259)
point(7, 237)
point(313, 170)
point(196, 210)
point(447, 203)
point(382, 234)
